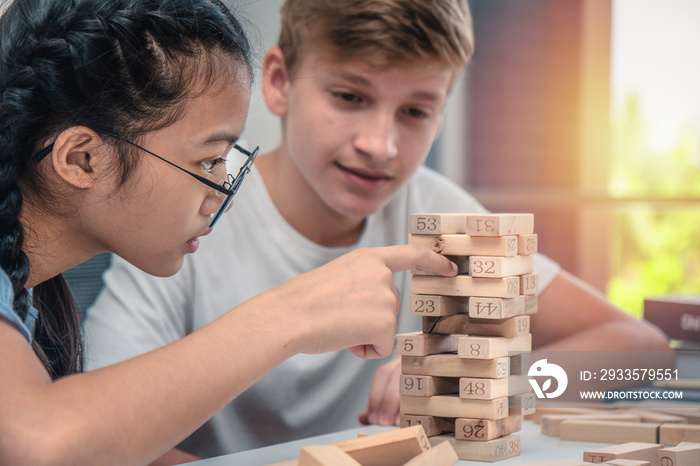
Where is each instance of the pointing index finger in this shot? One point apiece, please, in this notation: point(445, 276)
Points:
point(406, 257)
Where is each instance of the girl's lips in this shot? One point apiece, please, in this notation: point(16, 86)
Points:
point(365, 179)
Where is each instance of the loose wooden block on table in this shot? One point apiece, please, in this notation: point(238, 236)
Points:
point(622, 462)
point(433, 425)
point(545, 410)
point(673, 434)
point(442, 454)
point(437, 224)
point(641, 451)
point(499, 308)
point(658, 418)
point(423, 344)
point(550, 423)
point(464, 325)
point(499, 267)
point(473, 388)
point(490, 450)
point(500, 224)
point(479, 347)
point(522, 404)
point(387, 448)
point(683, 454)
point(465, 245)
point(427, 385)
point(453, 406)
point(325, 455)
point(560, 463)
point(486, 429)
point(437, 305)
point(464, 285)
point(451, 365)
point(608, 431)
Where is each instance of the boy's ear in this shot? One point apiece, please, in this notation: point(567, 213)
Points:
point(74, 156)
point(275, 81)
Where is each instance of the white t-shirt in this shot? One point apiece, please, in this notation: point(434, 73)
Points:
point(253, 249)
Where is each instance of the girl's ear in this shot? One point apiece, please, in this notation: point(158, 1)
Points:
point(75, 156)
point(275, 82)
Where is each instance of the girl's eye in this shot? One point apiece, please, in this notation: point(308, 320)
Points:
point(209, 165)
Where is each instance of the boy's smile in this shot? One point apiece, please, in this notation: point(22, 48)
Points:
point(353, 135)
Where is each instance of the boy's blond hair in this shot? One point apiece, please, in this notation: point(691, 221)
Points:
point(382, 32)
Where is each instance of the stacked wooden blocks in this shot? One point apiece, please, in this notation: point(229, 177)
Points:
point(464, 377)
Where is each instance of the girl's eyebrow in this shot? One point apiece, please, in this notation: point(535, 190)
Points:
point(220, 136)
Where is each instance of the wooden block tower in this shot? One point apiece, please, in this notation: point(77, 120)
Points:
point(464, 377)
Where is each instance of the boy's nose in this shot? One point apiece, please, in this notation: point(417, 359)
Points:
point(378, 138)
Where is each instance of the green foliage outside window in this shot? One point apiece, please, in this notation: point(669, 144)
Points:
point(656, 240)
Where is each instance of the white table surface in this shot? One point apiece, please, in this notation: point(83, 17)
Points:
point(534, 447)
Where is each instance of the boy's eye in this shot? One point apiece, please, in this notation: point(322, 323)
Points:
point(210, 165)
point(348, 97)
point(415, 113)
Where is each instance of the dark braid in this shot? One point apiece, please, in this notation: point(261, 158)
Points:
point(126, 66)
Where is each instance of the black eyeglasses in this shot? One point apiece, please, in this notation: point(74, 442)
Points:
point(228, 187)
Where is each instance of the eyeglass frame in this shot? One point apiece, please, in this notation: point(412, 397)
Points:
point(229, 187)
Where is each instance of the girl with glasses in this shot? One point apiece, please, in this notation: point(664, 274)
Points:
point(171, 77)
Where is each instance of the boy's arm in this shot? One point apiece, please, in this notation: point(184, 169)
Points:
point(573, 315)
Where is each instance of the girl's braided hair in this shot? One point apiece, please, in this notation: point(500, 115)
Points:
point(126, 66)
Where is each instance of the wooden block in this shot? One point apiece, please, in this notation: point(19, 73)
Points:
point(673, 434)
point(520, 364)
point(500, 224)
point(431, 424)
point(428, 385)
point(464, 285)
point(684, 454)
point(387, 448)
point(423, 344)
point(560, 463)
point(463, 324)
point(622, 462)
point(451, 365)
point(474, 388)
point(442, 454)
point(325, 455)
point(490, 450)
point(527, 244)
point(522, 404)
point(549, 424)
point(480, 430)
point(454, 406)
point(465, 245)
point(436, 305)
point(631, 451)
point(657, 418)
point(608, 431)
point(501, 308)
point(529, 284)
point(574, 410)
point(437, 224)
point(498, 267)
point(478, 347)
